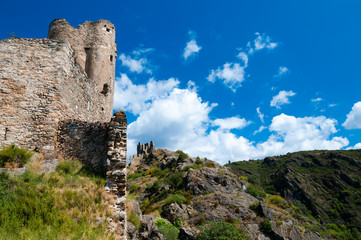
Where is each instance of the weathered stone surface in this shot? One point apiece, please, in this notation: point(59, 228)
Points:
point(174, 211)
point(43, 84)
point(188, 233)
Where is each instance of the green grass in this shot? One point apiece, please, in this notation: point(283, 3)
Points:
point(169, 231)
point(176, 198)
point(221, 231)
point(62, 205)
point(15, 156)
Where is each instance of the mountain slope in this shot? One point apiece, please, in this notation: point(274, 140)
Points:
point(190, 193)
point(324, 184)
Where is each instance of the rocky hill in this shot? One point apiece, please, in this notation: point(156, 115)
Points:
point(323, 184)
point(182, 195)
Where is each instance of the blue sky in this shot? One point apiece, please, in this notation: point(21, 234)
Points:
point(230, 80)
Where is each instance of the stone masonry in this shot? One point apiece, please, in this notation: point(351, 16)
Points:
point(116, 171)
point(56, 98)
point(43, 83)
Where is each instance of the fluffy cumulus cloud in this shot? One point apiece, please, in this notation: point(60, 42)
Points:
point(353, 120)
point(136, 98)
point(177, 118)
point(282, 98)
point(231, 74)
point(231, 123)
point(192, 48)
point(173, 121)
point(306, 133)
point(282, 70)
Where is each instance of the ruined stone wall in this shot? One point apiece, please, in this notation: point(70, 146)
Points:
point(85, 141)
point(95, 52)
point(41, 85)
point(117, 172)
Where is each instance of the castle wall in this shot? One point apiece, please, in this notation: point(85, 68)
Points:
point(85, 141)
point(41, 85)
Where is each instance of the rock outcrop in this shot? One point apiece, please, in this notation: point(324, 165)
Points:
point(193, 192)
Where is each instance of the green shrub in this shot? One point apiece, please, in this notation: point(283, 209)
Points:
point(210, 164)
point(255, 191)
point(15, 155)
point(69, 167)
point(198, 161)
point(177, 222)
point(278, 201)
point(244, 178)
point(168, 231)
point(134, 218)
point(253, 179)
point(133, 188)
point(221, 231)
point(194, 166)
point(342, 232)
point(175, 179)
point(182, 156)
point(302, 207)
point(266, 226)
point(254, 206)
point(176, 198)
point(133, 176)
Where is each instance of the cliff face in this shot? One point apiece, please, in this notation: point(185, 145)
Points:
point(193, 192)
point(324, 184)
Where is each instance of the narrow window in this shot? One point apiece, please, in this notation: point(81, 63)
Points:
point(111, 58)
point(105, 89)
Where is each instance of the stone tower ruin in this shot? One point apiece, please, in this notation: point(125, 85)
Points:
point(94, 50)
point(51, 86)
point(56, 98)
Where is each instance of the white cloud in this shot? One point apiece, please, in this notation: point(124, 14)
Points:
point(357, 146)
point(142, 51)
point(137, 98)
point(282, 70)
point(191, 48)
point(281, 98)
point(135, 65)
point(244, 57)
point(174, 121)
point(295, 134)
point(260, 115)
point(231, 123)
point(178, 119)
point(332, 105)
point(353, 120)
point(316, 99)
point(232, 75)
point(261, 128)
point(261, 42)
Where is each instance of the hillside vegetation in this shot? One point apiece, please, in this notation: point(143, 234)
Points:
point(325, 185)
point(69, 203)
point(194, 198)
